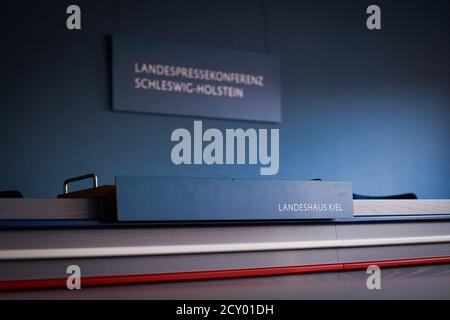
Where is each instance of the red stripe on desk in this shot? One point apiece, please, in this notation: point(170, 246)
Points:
point(14, 285)
point(396, 263)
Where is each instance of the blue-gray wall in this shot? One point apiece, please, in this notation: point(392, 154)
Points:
point(370, 107)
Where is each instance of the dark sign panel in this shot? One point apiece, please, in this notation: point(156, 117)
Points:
point(155, 76)
point(220, 199)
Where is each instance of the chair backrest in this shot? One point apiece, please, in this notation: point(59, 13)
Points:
point(11, 194)
point(405, 196)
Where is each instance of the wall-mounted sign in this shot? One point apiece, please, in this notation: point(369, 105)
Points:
point(156, 76)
